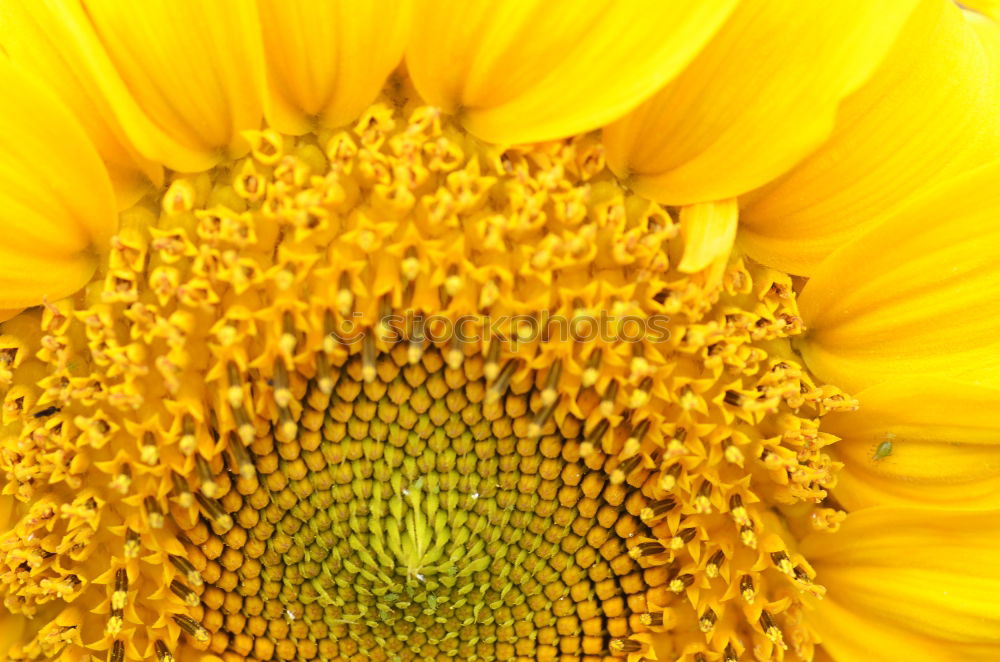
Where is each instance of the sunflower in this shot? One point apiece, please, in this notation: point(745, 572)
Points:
point(423, 330)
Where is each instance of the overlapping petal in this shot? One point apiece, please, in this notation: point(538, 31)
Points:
point(920, 442)
point(709, 229)
point(542, 69)
point(920, 583)
point(36, 37)
point(759, 97)
point(57, 208)
point(915, 296)
point(930, 112)
point(326, 61)
point(183, 77)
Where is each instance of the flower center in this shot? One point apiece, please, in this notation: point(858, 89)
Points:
point(429, 513)
point(389, 393)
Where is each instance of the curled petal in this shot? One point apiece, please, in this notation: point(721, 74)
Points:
point(37, 37)
point(920, 442)
point(760, 96)
point(326, 61)
point(920, 583)
point(929, 113)
point(536, 70)
point(914, 296)
point(183, 77)
point(57, 208)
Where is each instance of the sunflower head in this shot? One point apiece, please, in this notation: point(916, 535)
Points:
point(393, 389)
point(416, 362)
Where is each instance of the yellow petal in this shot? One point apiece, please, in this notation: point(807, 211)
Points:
point(708, 229)
point(541, 69)
point(6, 314)
point(909, 584)
point(34, 36)
point(183, 77)
point(849, 635)
point(916, 296)
point(327, 61)
point(57, 210)
point(759, 97)
point(930, 112)
point(929, 442)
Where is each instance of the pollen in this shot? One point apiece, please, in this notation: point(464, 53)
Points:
point(389, 393)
